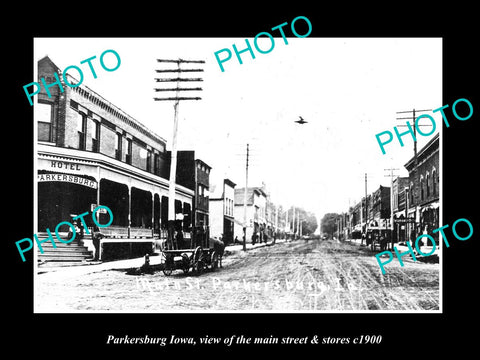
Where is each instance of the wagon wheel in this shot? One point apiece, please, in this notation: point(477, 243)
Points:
point(199, 266)
point(214, 260)
point(185, 263)
point(197, 259)
point(168, 265)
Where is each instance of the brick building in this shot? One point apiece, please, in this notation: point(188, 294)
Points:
point(90, 152)
point(193, 174)
point(399, 186)
point(423, 200)
point(379, 209)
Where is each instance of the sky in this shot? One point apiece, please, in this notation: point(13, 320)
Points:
point(348, 89)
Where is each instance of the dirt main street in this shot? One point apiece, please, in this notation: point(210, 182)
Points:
point(285, 277)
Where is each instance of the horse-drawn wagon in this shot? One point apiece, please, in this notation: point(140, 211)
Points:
point(196, 255)
point(378, 237)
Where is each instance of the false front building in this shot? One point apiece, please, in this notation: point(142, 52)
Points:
point(255, 206)
point(221, 211)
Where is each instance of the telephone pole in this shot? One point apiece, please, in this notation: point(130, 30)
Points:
point(415, 158)
point(366, 205)
point(414, 128)
point(177, 98)
point(245, 204)
point(391, 201)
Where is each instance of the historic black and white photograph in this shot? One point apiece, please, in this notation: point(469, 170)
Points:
point(280, 173)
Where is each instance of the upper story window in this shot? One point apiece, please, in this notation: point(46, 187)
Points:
point(156, 164)
point(96, 136)
point(128, 157)
point(118, 147)
point(82, 130)
point(422, 194)
point(149, 160)
point(412, 195)
point(43, 116)
point(427, 184)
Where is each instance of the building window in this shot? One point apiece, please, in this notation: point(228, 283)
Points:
point(118, 147)
point(96, 136)
point(421, 188)
point(43, 116)
point(149, 160)
point(412, 195)
point(128, 156)
point(427, 183)
point(82, 130)
point(156, 164)
point(434, 182)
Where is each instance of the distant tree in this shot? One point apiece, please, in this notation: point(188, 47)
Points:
point(310, 224)
point(308, 220)
point(328, 224)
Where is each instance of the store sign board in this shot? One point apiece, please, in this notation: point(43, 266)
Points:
point(67, 178)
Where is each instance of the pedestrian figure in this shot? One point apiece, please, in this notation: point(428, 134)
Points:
point(412, 238)
point(179, 239)
point(96, 237)
point(383, 242)
point(78, 231)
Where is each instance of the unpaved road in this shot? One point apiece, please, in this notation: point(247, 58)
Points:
point(285, 277)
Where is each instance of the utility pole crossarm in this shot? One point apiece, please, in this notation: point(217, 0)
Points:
point(178, 70)
point(181, 61)
point(177, 98)
point(179, 89)
point(177, 79)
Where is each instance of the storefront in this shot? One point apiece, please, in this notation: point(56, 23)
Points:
point(69, 183)
point(429, 219)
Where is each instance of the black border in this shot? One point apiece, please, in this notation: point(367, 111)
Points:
point(411, 334)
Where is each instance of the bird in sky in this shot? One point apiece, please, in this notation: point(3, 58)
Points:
point(301, 121)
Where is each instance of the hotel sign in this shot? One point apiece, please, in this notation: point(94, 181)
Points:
point(64, 165)
point(67, 178)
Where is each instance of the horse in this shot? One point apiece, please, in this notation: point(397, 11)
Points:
point(219, 248)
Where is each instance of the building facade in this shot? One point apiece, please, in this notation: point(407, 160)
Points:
point(90, 152)
point(193, 174)
point(380, 207)
point(222, 217)
point(423, 200)
point(256, 207)
point(399, 202)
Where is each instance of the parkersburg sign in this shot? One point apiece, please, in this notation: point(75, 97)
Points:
point(67, 178)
